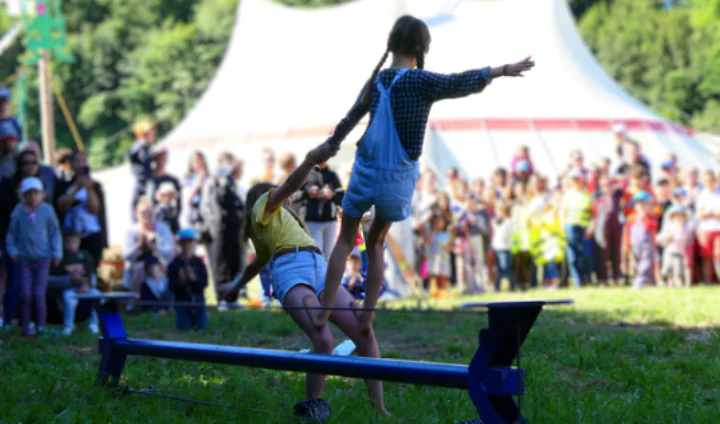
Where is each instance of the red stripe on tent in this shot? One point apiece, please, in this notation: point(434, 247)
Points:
point(593, 125)
point(470, 124)
point(554, 125)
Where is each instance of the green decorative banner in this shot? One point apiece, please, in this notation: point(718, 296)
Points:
point(44, 32)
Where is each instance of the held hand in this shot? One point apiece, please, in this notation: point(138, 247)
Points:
point(517, 69)
point(181, 276)
point(83, 288)
point(321, 153)
point(56, 261)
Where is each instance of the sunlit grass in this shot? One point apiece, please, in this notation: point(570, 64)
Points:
point(615, 356)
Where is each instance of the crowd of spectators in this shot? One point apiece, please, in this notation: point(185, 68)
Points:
point(607, 223)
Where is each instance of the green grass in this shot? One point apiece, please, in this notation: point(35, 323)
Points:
point(616, 356)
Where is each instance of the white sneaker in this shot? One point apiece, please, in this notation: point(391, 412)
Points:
point(68, 331)
point(93, 328)
point(32, 329)
point(222, 306)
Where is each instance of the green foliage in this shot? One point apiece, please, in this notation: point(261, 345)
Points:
point(132, 57)
point(669, 59)
point(311, 3)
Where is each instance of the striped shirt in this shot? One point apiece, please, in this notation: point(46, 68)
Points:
point(411, 98)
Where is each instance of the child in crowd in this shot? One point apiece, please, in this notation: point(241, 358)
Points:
point(639, 240)
point(474, 230)
point(439, 245)
point(549, 242)
point(676, 237)
point(606, 230)
point(166, 210)
point(155, 287)
point(5, 103)
point(187, 279)
point(33, 240)
point(354, 280)
point(501, 243)
point(76, 263)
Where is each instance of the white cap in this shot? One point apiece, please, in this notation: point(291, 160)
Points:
point(166, 187)
point(577, 173)
point(31, 183)
point(619, 128)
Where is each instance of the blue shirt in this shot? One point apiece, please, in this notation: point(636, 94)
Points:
point(411, 98)
point(34, 235)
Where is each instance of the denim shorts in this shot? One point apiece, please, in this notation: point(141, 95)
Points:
point(390, 191)
point(291, 269)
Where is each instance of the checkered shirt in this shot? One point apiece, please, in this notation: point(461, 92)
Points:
point(411, 98)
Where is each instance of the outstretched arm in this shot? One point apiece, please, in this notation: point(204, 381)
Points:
point(250, 272)
point(350, 121)
point(298, 177)
point(437, 87)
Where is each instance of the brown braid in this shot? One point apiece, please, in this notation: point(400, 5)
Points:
point(371, 83)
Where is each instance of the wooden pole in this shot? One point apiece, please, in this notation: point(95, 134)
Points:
point(47, 117)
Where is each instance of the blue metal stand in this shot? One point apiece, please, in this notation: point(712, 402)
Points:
point(491, 380)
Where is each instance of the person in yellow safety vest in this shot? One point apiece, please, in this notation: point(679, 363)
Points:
point(520, 241)
point(575, 217)
point(548, 242)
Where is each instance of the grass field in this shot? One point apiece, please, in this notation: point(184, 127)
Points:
point(616, 356)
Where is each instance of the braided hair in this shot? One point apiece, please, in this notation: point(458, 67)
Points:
point(410, 37)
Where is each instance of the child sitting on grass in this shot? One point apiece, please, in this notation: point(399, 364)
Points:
point(78, 264)
point(154, 289)
point(32, 241)
point(188, 277)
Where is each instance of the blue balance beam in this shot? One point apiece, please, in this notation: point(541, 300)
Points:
point(490, 379)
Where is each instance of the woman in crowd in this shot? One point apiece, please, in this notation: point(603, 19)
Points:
point(80, 205)
point(146, 238)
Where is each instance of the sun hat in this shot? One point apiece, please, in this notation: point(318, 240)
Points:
point(31, 183)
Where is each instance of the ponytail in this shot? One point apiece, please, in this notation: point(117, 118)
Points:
point(371, 83)
point(421, 60)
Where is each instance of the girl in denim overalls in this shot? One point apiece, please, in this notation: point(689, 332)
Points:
point(386, 164)
point(297, 276)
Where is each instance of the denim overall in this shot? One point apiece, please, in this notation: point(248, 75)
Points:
point(383, 174)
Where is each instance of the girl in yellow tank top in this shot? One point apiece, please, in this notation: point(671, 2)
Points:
point(297, 273)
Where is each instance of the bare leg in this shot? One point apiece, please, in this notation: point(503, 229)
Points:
point(336, 266)
point(322, 339)
point(375, 245)
point(366, 343)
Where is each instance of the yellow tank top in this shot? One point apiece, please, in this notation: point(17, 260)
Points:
point(275, 230)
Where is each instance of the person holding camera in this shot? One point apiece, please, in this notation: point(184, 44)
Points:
point(148, 238)
point(80, 205)
point(323, 195)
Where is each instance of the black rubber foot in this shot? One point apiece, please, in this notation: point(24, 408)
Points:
point(312, 410)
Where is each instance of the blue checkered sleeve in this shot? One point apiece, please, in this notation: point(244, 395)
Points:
point(411, 99)
point(452, 86)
